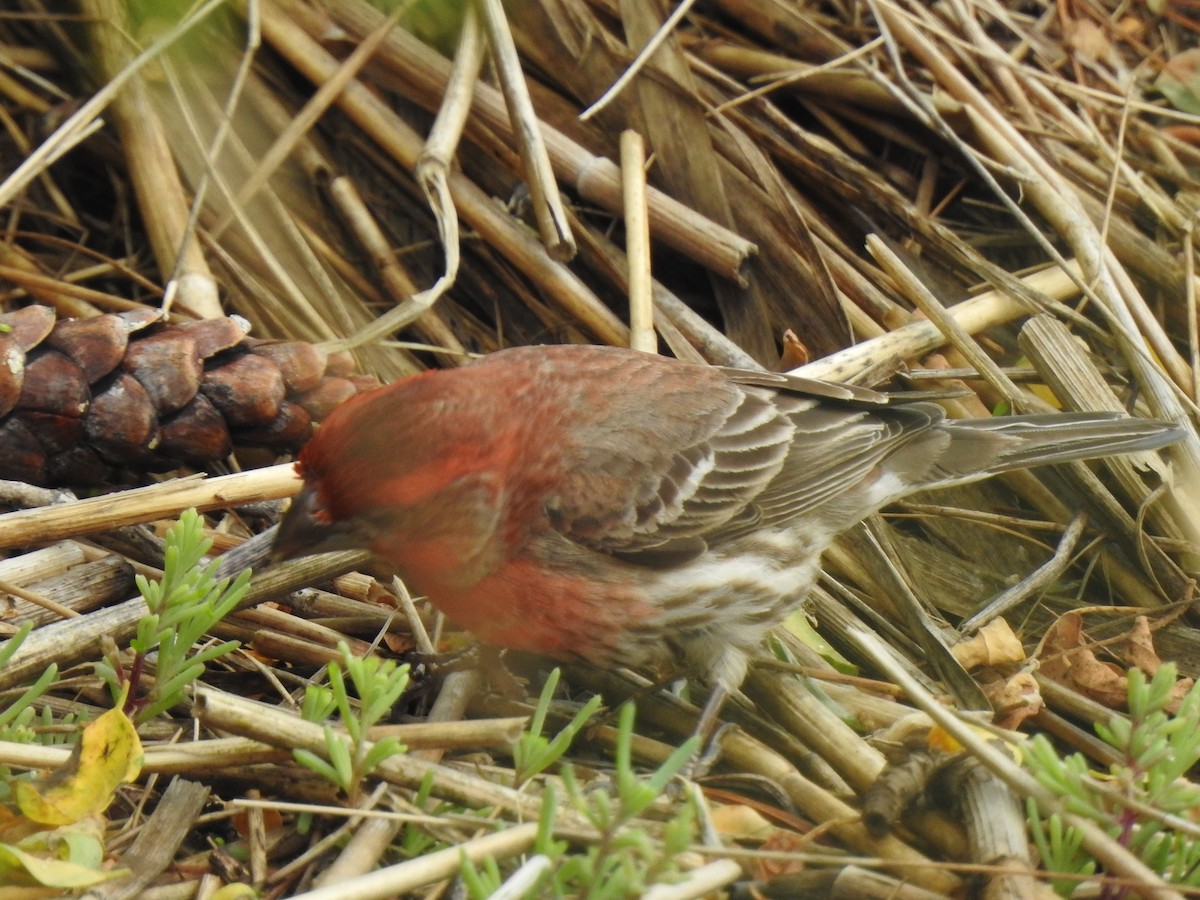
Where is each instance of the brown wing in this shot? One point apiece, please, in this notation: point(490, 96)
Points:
point(682, 456)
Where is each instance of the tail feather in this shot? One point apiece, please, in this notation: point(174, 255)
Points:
point(1015, 442)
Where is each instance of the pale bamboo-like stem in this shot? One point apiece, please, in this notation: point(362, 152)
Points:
point(68, 641)
point(431, 172)
point(161, 195)
point(918, 338)
point(145, 504)
point(548, 209)
point(262, 722)
point(217, 754)
point(637, 243)
point(36, 599)
point(956, 335)
point(403, 144)
point(596, 178)
point(701, 882)
point(417, 304)
point(393, 881)
point(306, 118)
point(1104, 276)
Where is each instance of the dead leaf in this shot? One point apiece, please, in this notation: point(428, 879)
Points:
point(782, 841)
point(1014, 700)
point(993, 645)
point(1179, 81)
point(1103, 682)
point(107, 755)
point(795, 353)
point(1139, 651)
point(1064, 635)
point(1088, 40)
point(17, 867)
point(739, 822)
point(1067, 660)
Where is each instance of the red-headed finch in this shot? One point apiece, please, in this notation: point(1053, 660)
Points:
point(629, 509)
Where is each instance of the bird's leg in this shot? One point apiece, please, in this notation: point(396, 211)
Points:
point(487, 659)
point(708, 751)
point(706, 724)
point(725, 675)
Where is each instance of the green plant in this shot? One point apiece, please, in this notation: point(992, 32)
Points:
point(626, 856)
point(534, 753)
point(17, 718)
point(416, 840)
point(352, 757)
point(184, 604)
point(1143, 801)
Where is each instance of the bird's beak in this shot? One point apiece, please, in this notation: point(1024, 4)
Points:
point(303, 533)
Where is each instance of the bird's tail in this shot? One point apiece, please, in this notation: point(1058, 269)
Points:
point(1002, 443)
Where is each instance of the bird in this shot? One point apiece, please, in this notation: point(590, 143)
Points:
point(630, 509)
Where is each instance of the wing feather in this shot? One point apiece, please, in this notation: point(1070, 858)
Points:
point(750, 449)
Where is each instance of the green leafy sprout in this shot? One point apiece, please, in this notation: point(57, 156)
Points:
point(628, 855)
point(1154, 752)
point(534, 753)
point(352, 756)
point(183, 605)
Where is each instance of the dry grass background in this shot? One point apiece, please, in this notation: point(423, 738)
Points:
point(994, 199)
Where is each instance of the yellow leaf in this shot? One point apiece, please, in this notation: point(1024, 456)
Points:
point(107, 755)
point(942, 740)
point(740, 823)
point(236, 891)
point(18, 866)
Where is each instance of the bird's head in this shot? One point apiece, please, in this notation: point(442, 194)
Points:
point(414, 472)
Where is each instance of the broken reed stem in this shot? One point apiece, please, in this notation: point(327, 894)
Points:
point(437, 866)
point(920, 337)
point(916, 291)
point(548, 209)
point(161, 195)
point(637, 243)
point(596, 178)
point(145, 504)
point(395, 137)
point(246, 718)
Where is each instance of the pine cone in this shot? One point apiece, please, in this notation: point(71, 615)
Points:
point(80, 398)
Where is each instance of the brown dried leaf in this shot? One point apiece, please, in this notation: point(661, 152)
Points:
point(1068, 660)
point(739, 822)
point(993, 645)
point(1139, 650)
point(1014, 699)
